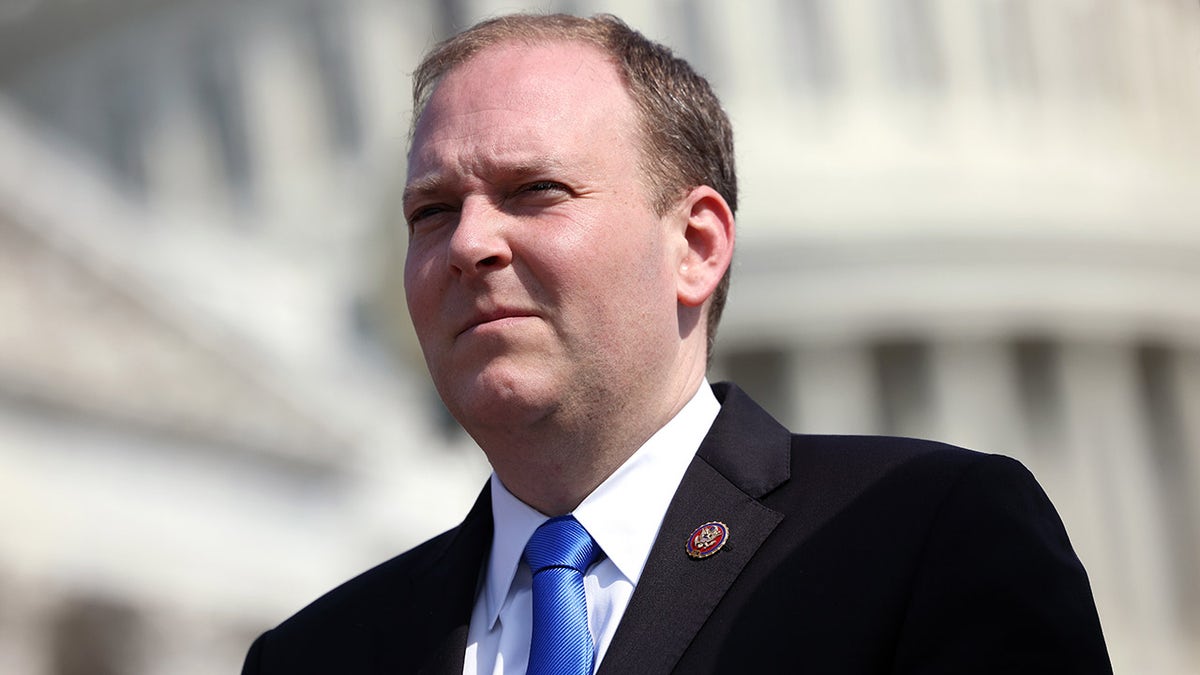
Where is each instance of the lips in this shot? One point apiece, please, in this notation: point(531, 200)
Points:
point(492, 315)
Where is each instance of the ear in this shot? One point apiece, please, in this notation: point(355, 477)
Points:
point(709, 234)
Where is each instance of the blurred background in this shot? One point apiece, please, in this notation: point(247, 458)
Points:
point(972, 220)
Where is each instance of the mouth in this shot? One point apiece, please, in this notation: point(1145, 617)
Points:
point(496, 317)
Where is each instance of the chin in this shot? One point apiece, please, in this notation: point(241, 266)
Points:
point(499, 395)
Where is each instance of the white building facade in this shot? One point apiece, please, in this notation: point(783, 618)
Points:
point(972, 220)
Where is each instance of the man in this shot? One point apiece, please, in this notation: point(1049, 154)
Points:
point(570, 202)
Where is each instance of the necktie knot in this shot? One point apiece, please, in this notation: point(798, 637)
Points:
point(558, 553)
point(561, 542)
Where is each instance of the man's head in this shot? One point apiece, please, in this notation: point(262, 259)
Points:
point(555, 289)
point(686, 137)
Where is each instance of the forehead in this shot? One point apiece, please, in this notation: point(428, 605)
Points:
point(519, 95)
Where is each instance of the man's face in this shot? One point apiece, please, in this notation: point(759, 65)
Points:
point(538, 277)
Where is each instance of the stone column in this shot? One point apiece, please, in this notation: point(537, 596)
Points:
point(975, 400)
point(1115, 505)
point(1186, 395)
point(25, 638)
point(833, 389)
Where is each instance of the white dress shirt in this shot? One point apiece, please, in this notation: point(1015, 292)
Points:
point(622, 514)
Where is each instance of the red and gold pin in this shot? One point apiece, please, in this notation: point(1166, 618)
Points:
point(707, 539)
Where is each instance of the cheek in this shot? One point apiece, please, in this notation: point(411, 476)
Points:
point(419, 291)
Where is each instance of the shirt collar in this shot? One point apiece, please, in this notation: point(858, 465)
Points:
point(623, 514)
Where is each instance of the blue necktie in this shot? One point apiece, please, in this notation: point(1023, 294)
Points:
point(558, 553)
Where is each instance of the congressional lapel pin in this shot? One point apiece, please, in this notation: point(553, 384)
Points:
point(707, 540)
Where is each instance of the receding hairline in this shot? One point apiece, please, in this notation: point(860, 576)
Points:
point(598, 48)
point(543, 38)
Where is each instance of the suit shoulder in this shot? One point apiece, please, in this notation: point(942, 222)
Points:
point(385, 584)
point(884, 447)
point(902, 472)
point(391, 612)
point(861, 452)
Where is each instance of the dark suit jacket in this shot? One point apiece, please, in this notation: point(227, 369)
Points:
point(845, 555)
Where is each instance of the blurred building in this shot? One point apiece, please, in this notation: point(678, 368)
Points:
point(973, 220)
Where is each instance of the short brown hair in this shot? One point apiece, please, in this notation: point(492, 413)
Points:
point(687, 137)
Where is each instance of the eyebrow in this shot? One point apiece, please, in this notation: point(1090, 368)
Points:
point(421, 187)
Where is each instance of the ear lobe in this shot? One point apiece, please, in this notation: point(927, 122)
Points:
point(709, 233)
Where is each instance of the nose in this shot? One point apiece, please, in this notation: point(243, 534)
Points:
point(479, 243)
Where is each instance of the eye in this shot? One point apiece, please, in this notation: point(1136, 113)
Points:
point(531, 198)
point(545, 192)
point(544, 186)
point(424, 212)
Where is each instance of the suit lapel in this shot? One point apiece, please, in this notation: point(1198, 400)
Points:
point(744, 456)
point(448, 589)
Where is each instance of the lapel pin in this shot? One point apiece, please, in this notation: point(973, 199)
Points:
point(707, 540)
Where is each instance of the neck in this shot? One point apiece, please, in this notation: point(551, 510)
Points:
point(553, 466)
